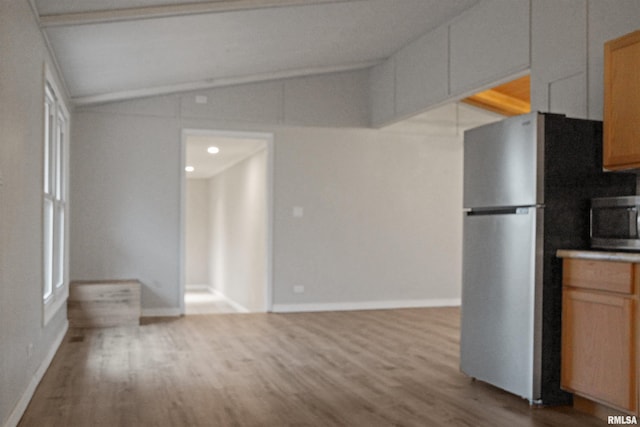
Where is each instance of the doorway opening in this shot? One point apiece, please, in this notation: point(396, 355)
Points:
point(226, 212)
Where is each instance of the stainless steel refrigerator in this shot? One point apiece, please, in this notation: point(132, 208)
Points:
point(527, 185)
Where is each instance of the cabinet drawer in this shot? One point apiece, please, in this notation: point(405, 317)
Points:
point(598, 275)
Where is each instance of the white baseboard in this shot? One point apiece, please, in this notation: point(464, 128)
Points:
point(199, 287)
point(160, 312)
point(22, 404)
point(238, 307)
point(365, 305)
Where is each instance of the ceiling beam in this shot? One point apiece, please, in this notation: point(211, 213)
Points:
point(214, 83)
point(164, 11)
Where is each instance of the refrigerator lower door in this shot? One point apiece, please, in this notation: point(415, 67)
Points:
point(501, 300)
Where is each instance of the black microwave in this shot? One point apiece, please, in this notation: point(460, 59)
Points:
point(615, 223)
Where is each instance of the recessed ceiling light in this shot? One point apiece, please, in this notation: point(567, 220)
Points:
point(213, 150)
point(189, 168)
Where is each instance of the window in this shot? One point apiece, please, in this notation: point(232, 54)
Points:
point(54, 200)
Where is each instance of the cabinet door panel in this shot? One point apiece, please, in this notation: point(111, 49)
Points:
point(488, 43)
point(422, 73)
point(598, 350)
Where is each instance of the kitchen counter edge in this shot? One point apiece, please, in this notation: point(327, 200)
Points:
point(599, 255)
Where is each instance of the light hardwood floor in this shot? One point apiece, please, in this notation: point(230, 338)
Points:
point(364, 368)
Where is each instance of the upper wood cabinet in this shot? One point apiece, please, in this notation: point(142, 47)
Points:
point(622, 102)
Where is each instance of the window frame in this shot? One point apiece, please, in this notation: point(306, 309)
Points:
point(55, 183)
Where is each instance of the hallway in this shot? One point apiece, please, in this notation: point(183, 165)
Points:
point(205, 302)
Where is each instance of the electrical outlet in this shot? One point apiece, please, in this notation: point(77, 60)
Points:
point(30, 350)
point(298, 289)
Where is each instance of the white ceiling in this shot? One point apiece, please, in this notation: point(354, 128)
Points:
point(232, 151)
point(118, 49)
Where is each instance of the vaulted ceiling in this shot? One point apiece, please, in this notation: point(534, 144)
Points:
point(120, 49)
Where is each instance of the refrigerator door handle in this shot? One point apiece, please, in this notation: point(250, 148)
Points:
point(499, 211)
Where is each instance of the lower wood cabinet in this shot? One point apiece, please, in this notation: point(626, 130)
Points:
point(599, 345)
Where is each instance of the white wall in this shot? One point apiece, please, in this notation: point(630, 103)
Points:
point(568, 52)
point(238, 232)
point(488, 43)
point(26, 345)
point(197, 233)
point(368, 195)
point(129, 229)
point(126, 167)
point(560, 42)
point(125, 179)
point(381, 224)
point(608, 19)
point(559, 31)
point(337, 99)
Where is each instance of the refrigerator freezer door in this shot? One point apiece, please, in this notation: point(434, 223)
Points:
point(501, 163)
point(501, 291)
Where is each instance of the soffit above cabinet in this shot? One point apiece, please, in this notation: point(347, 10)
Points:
point(491, 43)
